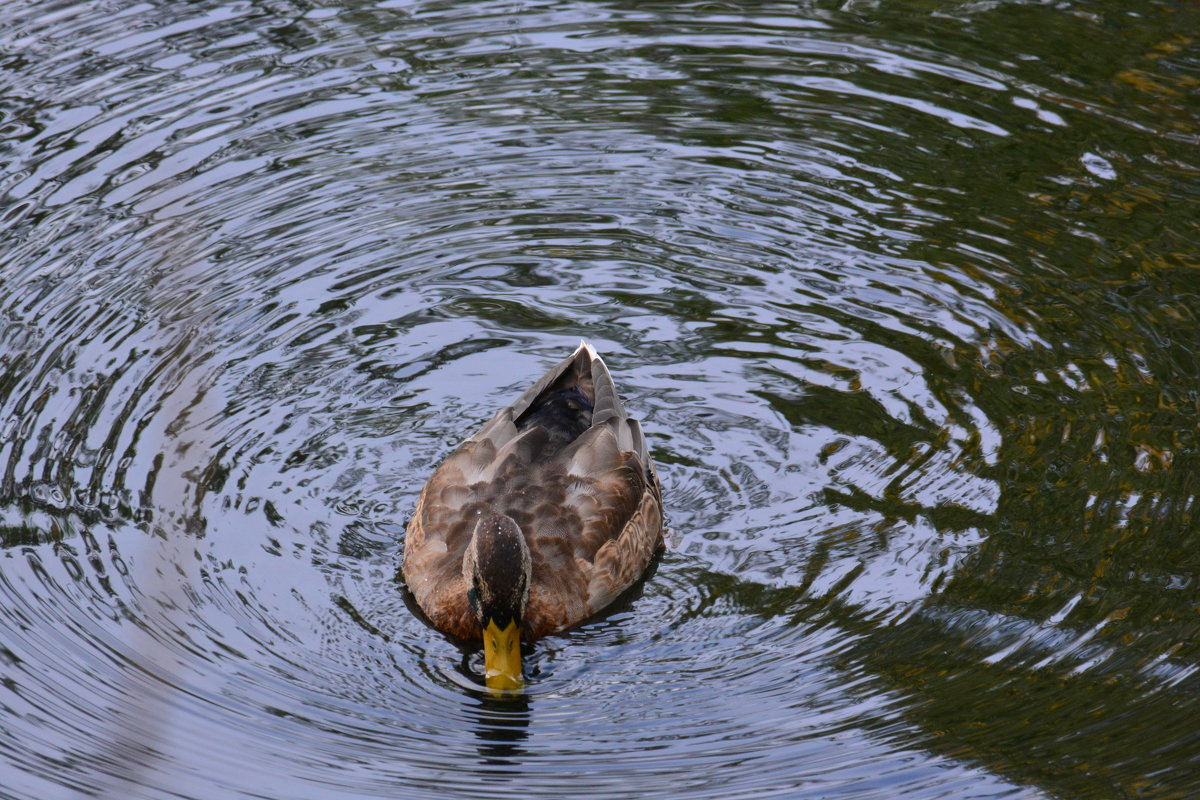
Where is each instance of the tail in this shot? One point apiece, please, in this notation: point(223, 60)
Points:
point(605, 403)
point(583, 368)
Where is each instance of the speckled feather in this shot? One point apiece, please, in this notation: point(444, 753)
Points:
point(590, 511)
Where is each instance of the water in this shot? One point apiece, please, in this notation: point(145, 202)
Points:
point(905, 295)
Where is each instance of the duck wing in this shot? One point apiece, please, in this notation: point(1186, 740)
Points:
point(594, 521)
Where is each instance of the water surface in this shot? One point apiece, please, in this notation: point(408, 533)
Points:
point(904, 293)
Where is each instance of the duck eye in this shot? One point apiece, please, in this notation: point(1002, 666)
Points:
point(473, 598)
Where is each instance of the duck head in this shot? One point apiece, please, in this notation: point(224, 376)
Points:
point(497, 569)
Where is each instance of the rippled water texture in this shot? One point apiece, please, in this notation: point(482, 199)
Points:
point(905, 294)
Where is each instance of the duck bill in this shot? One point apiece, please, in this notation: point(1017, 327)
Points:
point(502, 656)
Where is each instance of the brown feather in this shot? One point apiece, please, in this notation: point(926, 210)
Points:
point(590, 509)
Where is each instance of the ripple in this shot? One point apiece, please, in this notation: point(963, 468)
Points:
point(901, 296)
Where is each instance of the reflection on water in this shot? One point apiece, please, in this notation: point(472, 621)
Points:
point(905, 296)
point(502, 729)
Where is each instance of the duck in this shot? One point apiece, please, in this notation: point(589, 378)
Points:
point(539, 520)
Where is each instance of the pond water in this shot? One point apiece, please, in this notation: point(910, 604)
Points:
point(905, 294)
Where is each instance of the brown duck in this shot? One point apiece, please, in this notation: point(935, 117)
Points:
point(537, 521)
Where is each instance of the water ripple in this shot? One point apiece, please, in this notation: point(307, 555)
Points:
point(902, 297)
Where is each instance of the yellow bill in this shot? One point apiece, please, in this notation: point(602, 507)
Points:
point(502, 656)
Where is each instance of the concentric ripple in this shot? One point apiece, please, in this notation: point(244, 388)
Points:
point(904, 297)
